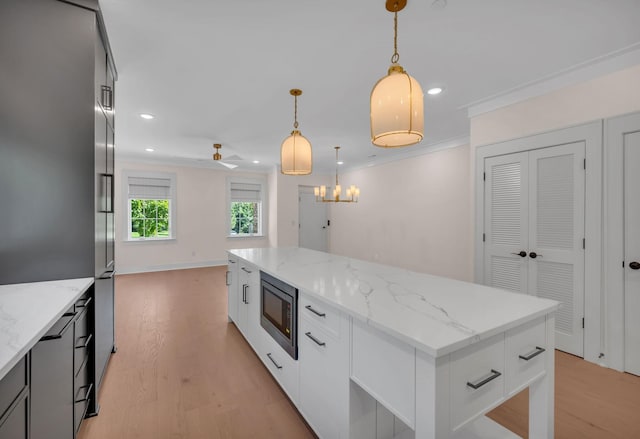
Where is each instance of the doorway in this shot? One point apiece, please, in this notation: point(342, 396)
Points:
point(313, 223)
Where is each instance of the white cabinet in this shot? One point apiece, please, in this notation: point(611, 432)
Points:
point(323, 355)
point(249, 303)
point(281, 365)
point(232, 288)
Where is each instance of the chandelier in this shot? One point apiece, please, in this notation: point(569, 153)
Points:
point(397, 107)
point(352, 193)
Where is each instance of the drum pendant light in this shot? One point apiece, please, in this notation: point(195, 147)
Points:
point(295, 152)
point(397, 105)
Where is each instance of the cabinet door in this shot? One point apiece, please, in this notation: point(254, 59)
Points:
point(243, 309)
point(14, 426)
point(104, 326)
point(52, 382)
point(324, 379)
point(109, 212)
point(253, 311)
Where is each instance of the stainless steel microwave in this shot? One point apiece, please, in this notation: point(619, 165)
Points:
point(279, 312)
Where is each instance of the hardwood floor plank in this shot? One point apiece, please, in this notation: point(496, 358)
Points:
point(183, 371)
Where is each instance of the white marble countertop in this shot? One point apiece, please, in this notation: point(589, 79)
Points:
point(434, 314)
point(29, 310)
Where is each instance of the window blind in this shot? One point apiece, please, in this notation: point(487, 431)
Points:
point(149, 188)
point(245, 192)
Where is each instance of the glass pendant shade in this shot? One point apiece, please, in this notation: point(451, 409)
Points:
point(295, 155)
point(397, 110)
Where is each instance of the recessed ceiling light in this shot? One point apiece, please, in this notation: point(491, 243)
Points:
point(256, 161)
point(149, 149)
point(147, 116)
point(434, 91)
point(340, 163)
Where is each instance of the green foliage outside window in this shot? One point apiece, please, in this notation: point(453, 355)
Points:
point(149, 218)
point(244, 218)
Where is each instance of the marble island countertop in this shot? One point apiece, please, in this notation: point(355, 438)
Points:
point(29, 310)
point(434, 314)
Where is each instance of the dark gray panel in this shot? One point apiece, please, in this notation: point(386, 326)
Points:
point(12, 384)
point(15, 426)
point(46, 141)
point(52, 387)
point(104, 329)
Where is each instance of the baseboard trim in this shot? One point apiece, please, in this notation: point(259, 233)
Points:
point(168, 267)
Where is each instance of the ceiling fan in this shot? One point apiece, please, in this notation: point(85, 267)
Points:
point(217, 157)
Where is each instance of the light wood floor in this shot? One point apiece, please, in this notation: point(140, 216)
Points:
point(182, 371)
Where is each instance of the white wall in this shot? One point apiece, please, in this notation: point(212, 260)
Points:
point(201, 236)
point(413, 213)
point(601, 98)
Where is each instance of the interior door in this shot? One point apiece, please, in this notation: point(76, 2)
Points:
point(506, 222)
point(534, 230)
point(556, 232)
point(632, 251)
point(312, 219)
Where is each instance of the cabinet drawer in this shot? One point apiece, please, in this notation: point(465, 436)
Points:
point(324, 380)
point(321, 313)
point(526, 354)
point(283, 368)
point(477, 379)
point(12, 384)
point(83, 303)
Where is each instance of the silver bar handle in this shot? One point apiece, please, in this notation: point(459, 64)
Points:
point(273, 361)
point(245, 270)
point(537, 351)
point(227, 281)
point(318, 313)
point(315, 340)
point(494, 374)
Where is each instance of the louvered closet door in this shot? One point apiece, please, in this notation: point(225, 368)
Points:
point(556, 231)
point(506, 222)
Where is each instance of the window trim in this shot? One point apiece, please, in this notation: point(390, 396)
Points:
point(263, 226)
point(173, 208)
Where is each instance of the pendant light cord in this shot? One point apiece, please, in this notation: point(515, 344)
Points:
point(295, 112)
point(396, 56)
point(337, 148)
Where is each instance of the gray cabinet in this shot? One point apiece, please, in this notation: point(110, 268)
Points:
point(52, 381)
point(57, 152)
point(14, 400)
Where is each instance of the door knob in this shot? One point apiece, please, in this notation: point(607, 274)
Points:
point(534, 255)
point(522, 253)
point(634, 265)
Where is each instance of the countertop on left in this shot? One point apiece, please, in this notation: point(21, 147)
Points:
point(29, 310)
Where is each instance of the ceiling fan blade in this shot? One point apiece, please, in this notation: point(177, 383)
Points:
point(228, 165)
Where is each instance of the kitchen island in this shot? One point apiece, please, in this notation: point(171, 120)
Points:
point(435, 353)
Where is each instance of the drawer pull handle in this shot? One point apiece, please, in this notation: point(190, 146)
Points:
point(227, 281)
point(537, 351)
point(315, 340)
point(64, 328)
point(318, 313)
point(83, 303)
point(87, 340)
point(246, 271)
point(231, 261)
point(244, 293)
point(273, 361)
point(87, 393)
point(494, 374)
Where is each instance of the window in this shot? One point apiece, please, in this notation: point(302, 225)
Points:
point(246, 208)
point(150, 206)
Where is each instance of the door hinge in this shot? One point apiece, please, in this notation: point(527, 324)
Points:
point(584, 163)
point(622, 264)
point(328, 222)
point(584, 243)
point(484, 176)
point(583, 323)
point(484, 237)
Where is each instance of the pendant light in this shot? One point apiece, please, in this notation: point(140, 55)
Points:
point(295, 152)
point(397, 108)
point(353, 192)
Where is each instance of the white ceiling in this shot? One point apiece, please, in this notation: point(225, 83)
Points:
point(220, 71)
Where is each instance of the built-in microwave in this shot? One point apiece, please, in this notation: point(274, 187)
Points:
point(279, 312)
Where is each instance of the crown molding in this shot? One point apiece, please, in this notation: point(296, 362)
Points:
point(614, 61)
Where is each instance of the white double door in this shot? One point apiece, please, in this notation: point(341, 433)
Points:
point(534, 212)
